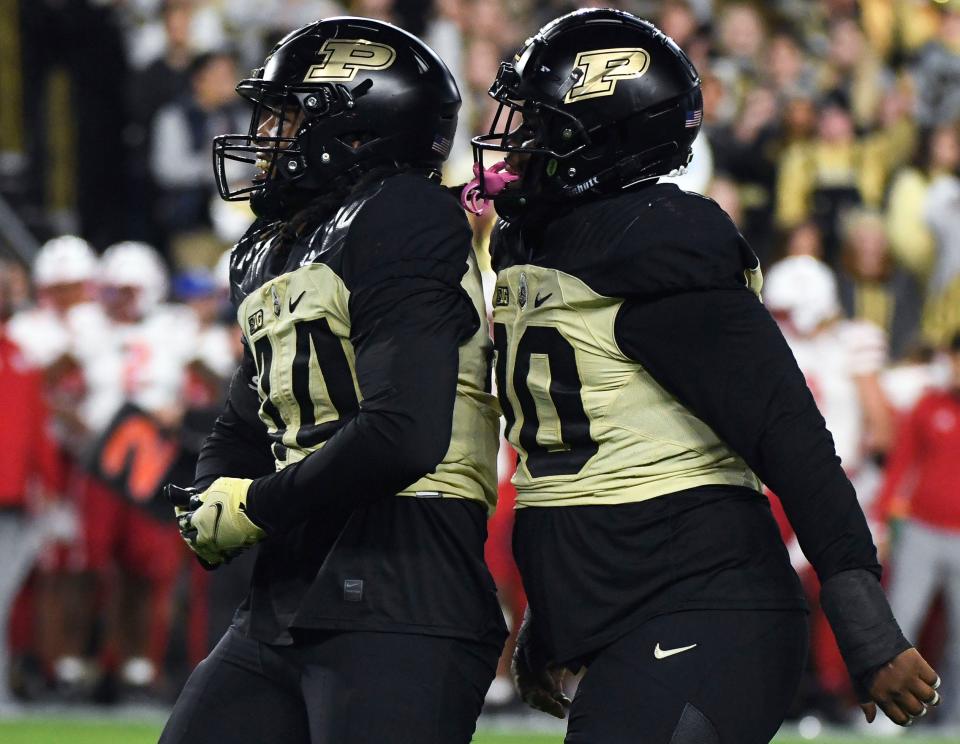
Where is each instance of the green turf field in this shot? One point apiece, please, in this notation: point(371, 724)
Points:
point(65, 731)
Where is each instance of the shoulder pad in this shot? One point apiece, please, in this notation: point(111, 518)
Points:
point(329, 237)
point(659, 240)
point(683, 242)
point(408, 225)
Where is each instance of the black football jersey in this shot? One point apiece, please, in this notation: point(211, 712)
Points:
point(367, 379)
point(649, 394)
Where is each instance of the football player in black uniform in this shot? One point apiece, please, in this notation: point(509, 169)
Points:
point(648, 394)
point(357, 449)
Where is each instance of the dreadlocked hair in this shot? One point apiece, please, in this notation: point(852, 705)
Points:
point(325, 205)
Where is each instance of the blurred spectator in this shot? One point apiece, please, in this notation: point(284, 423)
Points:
point(182, 133)
point(853, 68)
point(804, 240)
point(916, 22)
point(63, 275)
point(678, 21)
point(840, 359)
point(937, 71)
point(873, 288)
point(741, 37)
point(141, 351)
point(799, 122)
point(156, 85)
point(942, 212)
point(746, 151)
point(30, 474)
point(258, 24)
point(921, 490)
point(835, 172)
point(912, 243)
point(788, 71)
point(166, 77)
point(200, 27)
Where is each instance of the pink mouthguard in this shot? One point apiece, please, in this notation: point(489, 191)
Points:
point(495, 178)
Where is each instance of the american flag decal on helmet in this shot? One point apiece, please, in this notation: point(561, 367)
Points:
point(694, 118)
point(441, 145)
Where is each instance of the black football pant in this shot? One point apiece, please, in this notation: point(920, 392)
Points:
point(654, 686)
point(345, 688)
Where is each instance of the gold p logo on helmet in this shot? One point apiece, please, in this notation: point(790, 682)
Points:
point(602, 68)
point(344, 58)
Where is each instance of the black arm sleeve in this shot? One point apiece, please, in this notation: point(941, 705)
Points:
point(407, 334)
point(238, 446)
point(722, 355)
point(866, 631)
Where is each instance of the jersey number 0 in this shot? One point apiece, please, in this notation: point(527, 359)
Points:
point(565, 387)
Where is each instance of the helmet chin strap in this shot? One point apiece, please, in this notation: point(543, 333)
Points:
point(629, 171)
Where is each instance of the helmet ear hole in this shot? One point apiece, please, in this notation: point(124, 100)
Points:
point(600, 143)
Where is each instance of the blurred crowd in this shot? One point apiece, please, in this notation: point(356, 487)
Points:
point(831, 135)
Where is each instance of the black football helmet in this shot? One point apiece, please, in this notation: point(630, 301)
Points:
point(599, 100)
point(333, 100)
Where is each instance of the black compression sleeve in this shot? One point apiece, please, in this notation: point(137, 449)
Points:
point(864, 626)
point(238, 446)
point(407, 334)
point(721, 354)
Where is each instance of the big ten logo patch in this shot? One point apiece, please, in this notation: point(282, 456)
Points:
point(255, 322)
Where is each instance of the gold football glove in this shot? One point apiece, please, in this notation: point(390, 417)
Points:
point(214, 523)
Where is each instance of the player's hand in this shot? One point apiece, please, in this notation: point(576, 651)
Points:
point(184, 502)
point(904, 688)
point(539, 682)
point(214, 523)
point(541, 689)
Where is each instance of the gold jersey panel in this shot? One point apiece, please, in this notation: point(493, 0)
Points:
point(298, 329)
point(591, 426)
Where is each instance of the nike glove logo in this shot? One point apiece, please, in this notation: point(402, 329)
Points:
point(660, 653)
point(538, 300)
point(295, 302)
point(216, 520)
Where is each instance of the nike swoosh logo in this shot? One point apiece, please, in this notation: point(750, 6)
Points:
point(660, 653)
point(294, 303)
point(538, 300)
point(216, 520)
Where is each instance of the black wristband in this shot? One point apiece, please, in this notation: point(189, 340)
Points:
point(867, 633)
